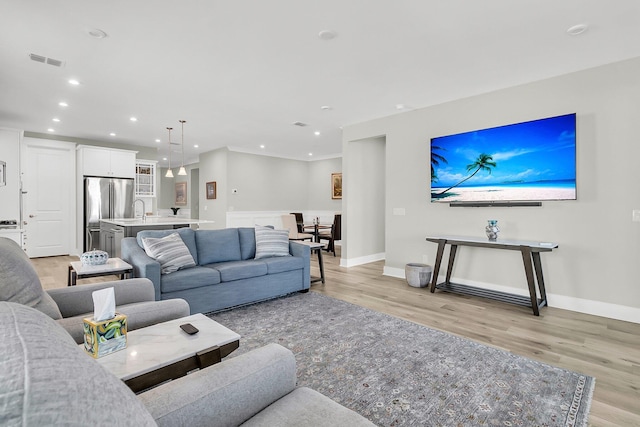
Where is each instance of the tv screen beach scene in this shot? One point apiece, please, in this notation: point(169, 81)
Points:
point(529, 161)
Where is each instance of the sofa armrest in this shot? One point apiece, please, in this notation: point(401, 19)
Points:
point(300, 250)
point(226, 394)
point(75, 300)
point(143, 265)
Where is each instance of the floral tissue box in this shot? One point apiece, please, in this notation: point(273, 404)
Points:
point(106, 336)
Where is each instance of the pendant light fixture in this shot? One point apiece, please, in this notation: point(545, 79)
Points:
point(169, 172)
point(182, 170)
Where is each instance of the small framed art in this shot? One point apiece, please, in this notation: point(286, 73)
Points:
point(181, 193)
point(336, 185)
point(211, 190)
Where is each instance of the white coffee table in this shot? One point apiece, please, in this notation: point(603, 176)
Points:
point(113, 266)
point(163, 351)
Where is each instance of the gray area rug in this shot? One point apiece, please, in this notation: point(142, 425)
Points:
point(397, 373)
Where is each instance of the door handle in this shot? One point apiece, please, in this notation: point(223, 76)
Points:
point(32, 216)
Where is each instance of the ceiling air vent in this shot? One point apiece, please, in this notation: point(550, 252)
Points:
point(45, 60)
point(300, 124)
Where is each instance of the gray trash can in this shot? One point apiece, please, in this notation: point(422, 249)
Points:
point(418, 275)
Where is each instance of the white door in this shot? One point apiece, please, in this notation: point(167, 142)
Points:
point(49, 196)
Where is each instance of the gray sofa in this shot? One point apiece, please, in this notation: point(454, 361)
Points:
point(226, 274)
point(20, 283)
point(47, 379)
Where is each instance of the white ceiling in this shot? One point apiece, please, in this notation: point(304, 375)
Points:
point(242, 71)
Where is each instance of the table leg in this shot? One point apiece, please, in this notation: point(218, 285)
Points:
point(452, 258)
point(69, 276)
point(321, 264)
point(528, 270)
point(538, 268)
point(436, 268)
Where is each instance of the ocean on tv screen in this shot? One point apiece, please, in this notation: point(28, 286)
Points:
point(529, 161)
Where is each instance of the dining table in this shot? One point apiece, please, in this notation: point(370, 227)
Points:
point(315, 229)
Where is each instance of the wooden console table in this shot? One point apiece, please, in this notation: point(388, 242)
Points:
point(530, 256)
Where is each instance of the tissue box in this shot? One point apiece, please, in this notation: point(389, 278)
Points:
point(105, 336)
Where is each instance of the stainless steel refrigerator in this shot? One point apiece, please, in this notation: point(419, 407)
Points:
point(105, 198)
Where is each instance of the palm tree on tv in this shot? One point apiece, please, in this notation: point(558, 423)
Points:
point(483, 162)
point(435, 161)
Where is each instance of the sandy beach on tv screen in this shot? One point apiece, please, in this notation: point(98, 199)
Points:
point(474, 194)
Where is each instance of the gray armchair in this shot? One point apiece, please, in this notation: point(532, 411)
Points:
point(20, 283)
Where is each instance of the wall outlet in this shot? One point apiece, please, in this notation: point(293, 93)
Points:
point(635, 216)
point(234, 191)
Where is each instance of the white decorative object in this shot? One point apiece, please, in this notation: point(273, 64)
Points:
point(94, 257)
point(492, 230)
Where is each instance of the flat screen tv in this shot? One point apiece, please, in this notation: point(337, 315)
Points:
point(524, 162)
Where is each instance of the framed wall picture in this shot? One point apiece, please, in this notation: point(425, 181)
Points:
point(3, 173)
point(181, 193)
point(336, 185)
point(211, 190)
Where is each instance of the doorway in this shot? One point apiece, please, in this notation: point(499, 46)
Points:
point(49, 196)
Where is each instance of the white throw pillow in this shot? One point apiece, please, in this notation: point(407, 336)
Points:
point(270, 242)
point(170, 251)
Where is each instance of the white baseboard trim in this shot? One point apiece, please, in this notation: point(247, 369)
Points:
point(352, 262)
point(580, 305)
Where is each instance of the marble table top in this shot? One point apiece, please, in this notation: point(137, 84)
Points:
point(165, 343)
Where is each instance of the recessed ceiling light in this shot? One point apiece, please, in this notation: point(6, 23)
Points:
point(400, 107)
point(157, 140)
point(261, 145)
point(63, 104)
point(164, 158)
point(311, 154)
point(74, 82)
point(133, 119)
point(97, 33)
point(50, 130)
point(112, 134)
point(55, 119)
point(327, 35)
point(196, 146)
point(576, 30)
point(317, 133)
point(326, 107)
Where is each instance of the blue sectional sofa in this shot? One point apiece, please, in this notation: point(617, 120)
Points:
point(226, 274)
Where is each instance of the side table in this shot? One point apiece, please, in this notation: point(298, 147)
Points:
point(113, 266)
point(317, 248)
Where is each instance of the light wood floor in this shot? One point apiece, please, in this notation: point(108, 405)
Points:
point(606, 349)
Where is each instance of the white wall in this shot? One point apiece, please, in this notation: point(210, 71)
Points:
point(596, 267)
point(265, 184)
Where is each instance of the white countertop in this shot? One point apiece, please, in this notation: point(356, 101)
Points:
point(137, 222)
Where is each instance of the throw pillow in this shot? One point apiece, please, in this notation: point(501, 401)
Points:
point(170, 251)
point(270, 242)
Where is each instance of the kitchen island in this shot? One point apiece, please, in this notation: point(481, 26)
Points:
point(112, 231)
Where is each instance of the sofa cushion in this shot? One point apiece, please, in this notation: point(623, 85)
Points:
point(46, 379)
point(218, 245)
point(170, 251)
point(195, 277)
point(280, 264)
point(187, 234)
point(247, 242)
point(238, 270)
point(270, 243)
point(19, 281)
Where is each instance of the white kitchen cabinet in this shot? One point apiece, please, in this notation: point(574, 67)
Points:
point(99, 161)
point(146, 178)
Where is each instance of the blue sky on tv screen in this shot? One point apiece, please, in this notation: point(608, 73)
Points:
point(540, 150)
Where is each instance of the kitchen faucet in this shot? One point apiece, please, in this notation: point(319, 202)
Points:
point(144, 209)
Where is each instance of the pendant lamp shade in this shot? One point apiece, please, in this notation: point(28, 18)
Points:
point(169, 171)
point(182, 170)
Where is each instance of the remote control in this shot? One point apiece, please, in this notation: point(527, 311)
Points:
point(189, 328)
